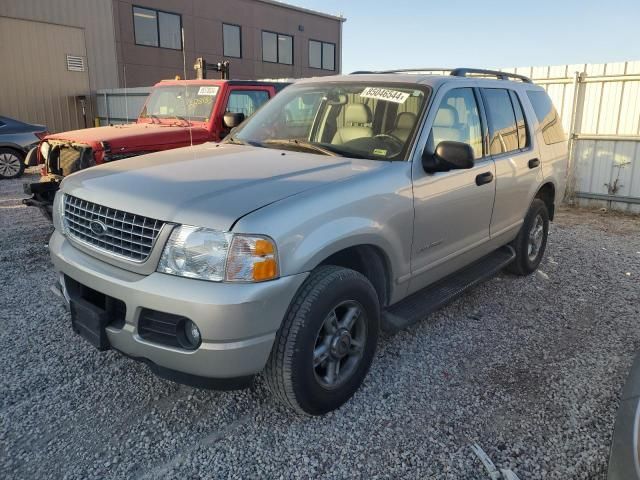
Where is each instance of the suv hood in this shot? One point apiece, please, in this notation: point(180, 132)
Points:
point(132, 136)
point(210, 185)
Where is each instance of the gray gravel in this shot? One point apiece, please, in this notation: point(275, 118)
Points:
point(529, 368)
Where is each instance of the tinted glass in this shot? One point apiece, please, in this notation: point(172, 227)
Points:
point(246, 101)
point(170, 35)
point(285, 49)
point(523, 134)
point(192, 102)
point(231, 41)
point(458, 120)
point(328, 56)
point(145, 25)
point(315, 54)
point(502, 121)
point(549, 120)
point(269, 47)
point(339, 118)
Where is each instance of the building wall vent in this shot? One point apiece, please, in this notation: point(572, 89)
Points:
point(75, 63)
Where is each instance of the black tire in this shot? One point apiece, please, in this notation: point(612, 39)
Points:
point(290, 372)
point(11, 163)
point(528, 258)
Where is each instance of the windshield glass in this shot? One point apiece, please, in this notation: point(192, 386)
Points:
point(361, 120)
point(192, 102)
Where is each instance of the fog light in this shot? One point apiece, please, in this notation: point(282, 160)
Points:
point(192, 333)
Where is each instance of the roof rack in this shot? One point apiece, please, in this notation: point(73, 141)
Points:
point(456, 72)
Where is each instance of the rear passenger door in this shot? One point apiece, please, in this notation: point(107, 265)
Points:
point(453, 208)
point(518, 168)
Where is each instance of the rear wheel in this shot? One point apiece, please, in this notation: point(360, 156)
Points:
point(11, 163)
point(531, 242)
point(326, 344)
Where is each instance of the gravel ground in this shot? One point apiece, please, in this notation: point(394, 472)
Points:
point(529, 368)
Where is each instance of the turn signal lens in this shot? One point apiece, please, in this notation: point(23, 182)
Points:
point(251, 259)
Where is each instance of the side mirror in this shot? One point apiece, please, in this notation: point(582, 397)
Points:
point(448, 156)
point(233, 119)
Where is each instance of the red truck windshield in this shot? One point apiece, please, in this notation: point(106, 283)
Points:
point(190, 102)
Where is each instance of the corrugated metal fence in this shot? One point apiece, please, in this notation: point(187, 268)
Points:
point(600, 109)
point(120, 105)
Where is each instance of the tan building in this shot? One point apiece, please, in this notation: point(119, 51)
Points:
point(55, 53)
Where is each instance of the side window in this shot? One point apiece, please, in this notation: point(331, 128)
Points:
point(246, 101)
point(503, 132)
point(458, 120)
point(550, 123)
point(523, 132)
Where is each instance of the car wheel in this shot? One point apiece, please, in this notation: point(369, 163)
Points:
point(326, 344)
point(11, 163)
point(531, 242)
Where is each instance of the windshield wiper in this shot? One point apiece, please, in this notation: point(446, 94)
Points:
point(303, 144)
point(154, 118)
point(238, 141)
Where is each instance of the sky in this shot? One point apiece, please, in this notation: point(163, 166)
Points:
point(483, 33)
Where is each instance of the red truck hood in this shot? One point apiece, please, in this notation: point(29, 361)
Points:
point(134, 136)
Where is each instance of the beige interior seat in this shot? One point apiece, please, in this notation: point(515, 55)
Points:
point(404, 124)
point(356, 118)
point(446, 126)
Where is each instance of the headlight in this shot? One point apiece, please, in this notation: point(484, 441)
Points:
point(205, 254)
point(44, 150)
point(59, 221)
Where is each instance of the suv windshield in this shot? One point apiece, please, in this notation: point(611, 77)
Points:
point(189, 102)
point(362, 120)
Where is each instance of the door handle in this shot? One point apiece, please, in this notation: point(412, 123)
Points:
point(483, 178)
point(534, 162)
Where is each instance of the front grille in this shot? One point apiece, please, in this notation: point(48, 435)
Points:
point(114, 231)
point(64, 159)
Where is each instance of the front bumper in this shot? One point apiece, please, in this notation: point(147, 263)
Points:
point(238, 322)
point(42, 194)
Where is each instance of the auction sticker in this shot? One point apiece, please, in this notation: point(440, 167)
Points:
point(385, 94)
point(210, 91)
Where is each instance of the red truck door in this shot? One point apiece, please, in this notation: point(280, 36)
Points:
point(244, 99)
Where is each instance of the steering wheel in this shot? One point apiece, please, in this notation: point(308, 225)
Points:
point(395, 142)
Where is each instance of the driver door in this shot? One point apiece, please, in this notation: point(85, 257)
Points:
point(452, 209)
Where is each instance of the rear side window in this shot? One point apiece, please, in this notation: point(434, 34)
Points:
point(246, 101)
point(523, 133)
point(503, 130)
point(549, 120)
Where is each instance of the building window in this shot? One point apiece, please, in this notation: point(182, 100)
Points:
point(154, 28)
point(277, 48)
point(231, 41)
point(322, 55)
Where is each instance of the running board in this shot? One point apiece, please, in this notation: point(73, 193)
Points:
point(418, 305)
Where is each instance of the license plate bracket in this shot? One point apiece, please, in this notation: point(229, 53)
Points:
point(90, 322)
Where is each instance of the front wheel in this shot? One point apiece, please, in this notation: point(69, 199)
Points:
point(11, 163)
point(531, 242)
point(326, 343)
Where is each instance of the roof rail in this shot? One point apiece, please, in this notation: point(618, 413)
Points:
point(456, 72)
point(462, 72)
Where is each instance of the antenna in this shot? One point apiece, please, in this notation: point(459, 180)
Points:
point(184, 71)
point(126, 102)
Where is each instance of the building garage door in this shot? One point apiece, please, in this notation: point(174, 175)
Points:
point(44, 71)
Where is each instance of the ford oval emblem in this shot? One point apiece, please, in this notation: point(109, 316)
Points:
point(98, 228)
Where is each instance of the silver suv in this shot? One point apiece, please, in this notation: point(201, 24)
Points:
point(345, 205)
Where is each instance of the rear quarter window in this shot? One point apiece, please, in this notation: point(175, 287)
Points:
point(550, 123)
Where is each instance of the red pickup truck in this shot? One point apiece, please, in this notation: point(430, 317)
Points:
point(177, 113)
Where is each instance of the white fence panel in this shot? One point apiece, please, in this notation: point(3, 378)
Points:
point(604, 127)
point(119, 105)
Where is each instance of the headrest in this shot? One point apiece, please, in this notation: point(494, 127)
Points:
point(357, 113)
point(406, 120)
point(447, 116)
